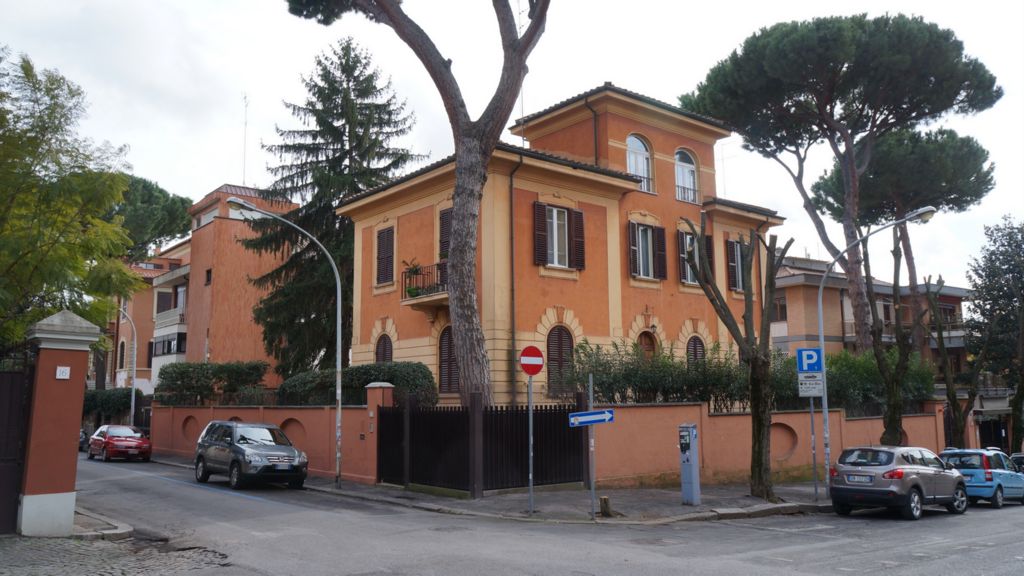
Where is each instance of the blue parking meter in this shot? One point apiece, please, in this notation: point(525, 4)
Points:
point(689, 464)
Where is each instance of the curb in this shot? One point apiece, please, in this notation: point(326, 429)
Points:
point(757, 511)
point(120, 530)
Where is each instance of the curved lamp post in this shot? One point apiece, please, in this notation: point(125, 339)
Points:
point(132, 360)
point(244, 205)
point(923, 214)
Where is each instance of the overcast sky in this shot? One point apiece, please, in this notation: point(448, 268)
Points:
point(167, 79)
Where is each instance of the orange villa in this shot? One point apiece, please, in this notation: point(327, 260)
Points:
point(580, 237)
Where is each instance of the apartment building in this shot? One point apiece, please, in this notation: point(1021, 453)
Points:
point(580, 237)
point(198, 305)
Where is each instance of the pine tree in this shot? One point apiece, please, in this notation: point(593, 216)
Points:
point(350, 119)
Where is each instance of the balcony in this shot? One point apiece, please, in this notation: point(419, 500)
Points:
point(170, 317)
point(425, 287)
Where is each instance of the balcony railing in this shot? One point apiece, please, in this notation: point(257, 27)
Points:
point(169, 317)
point(424, 281)
point(686, 194)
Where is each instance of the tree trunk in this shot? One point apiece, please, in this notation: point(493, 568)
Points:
point(916, 304)
point(1017, 401)
point(760, 426)
point(467, 332)
point(858, 288)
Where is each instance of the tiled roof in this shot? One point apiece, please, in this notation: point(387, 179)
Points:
point(609, 87)
point(235, 190)
point(147, 272)
point(505, 148)
point(743, 206)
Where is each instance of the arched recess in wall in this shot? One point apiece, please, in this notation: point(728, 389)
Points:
point(190, 430)
point(384, 326)
point(295, 431)
point(382, 351)
point(647, 323)
point(691, 328)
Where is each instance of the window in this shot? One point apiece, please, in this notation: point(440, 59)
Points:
point(179, 296)
point(695, 349)
point(734, 253)
point(686, 272)
point(646, 251)
point(206, 218)
point(638, 162)
point(648, 345)
point(448, 376)
point(164, 301)
point(120, 355)
point(386, 255)
point(686, 177)
point(150, 266)
point(383, 349)
point(149, 355)
point(558, 237)
point(559, 360)
point(169, 344)
point(209, 276)
point(780, 309)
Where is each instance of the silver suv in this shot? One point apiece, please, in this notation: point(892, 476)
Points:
point(246, 451)
point(899, 477)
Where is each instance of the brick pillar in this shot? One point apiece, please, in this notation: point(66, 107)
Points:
point(47, 506)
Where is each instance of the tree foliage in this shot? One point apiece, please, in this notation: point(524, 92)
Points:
point(151, 216)
point(316, 388)
point(351, 118)
point(185, 384)
point(58, 249)
point(847, 82)
point(474, 144)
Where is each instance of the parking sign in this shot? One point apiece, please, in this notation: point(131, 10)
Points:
point(808, 360)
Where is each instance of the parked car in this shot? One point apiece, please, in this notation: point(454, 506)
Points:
point(990, 474)
point(83, 440)
point(1018, 459)
point(898, 477)
point(116, 441)
point(246, 452)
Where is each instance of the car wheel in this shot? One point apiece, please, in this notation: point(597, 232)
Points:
point(104, 455)
point(912, 509)
point(997, 498)
point(202, 474)
point(296, 484)
point(959, 503)
point(842, 509)
point(145, 458)
point(235, 476)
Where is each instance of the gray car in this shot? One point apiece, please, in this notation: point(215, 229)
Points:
point(246, 451)
point(903, 478)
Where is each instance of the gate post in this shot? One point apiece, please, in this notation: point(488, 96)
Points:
point(51, 453)
point(476, 445)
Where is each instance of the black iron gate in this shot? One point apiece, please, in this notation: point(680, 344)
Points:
point(15, 386)
point(439, 447)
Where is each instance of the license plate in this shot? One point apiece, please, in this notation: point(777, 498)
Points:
point(858, 479)
point(133, 452)
point(282, 466)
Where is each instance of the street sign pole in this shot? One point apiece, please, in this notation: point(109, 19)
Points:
point(810, 369)
point(590, 436)
point(531, 360)
point(529, 404)
point(814, 452)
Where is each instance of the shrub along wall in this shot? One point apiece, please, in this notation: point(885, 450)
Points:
point(317, 388)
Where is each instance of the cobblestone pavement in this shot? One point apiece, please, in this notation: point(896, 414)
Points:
point(64, 556)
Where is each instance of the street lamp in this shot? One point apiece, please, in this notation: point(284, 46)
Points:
point(242, 204)
point(135, 348)
point(923, 214)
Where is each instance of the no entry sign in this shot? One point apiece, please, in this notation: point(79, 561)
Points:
point(531, 360)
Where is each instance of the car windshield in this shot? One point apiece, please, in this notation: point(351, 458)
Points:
point(124, 432)
point(963, 461)
point(260, 435)
point(865, 457)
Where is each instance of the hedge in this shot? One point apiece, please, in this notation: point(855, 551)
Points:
point(185, 384)
point(316, 388)
point(110, 402)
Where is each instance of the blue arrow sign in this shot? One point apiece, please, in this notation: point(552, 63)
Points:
point(588, 418)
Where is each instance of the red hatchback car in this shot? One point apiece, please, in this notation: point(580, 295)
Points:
point(116, 441)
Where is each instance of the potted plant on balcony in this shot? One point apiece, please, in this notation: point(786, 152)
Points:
point(413, 270)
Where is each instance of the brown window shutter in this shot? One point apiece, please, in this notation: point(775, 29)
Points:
point(540, 234)
point(709, 253)
point(694, 349)
point(660, 264)
point(449, 368)
point(385, 255)
point(559, 359)
point(634, 259)
point(444, 233)
point(384, 349)
point(681, 244)
point(733, 267)
point(578, 251)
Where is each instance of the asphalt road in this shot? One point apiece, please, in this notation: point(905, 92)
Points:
point(210, 529)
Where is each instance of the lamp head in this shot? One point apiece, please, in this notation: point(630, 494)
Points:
point(922, 214)
point(235, 202)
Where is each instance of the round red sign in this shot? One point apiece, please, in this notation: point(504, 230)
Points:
point(531, 360)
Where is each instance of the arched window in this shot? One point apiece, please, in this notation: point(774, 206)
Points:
point(638, 162)
point(559, 360)
point(448, 373)
point(648, 345)
point(383, 350)
point(694, 349)
point(686, 177)
point(120, 355)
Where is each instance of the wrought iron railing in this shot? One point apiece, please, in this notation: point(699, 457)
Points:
point(421, 281)
point(686, 194)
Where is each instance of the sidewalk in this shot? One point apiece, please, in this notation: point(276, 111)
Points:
point(92, 526)
point(572, 505)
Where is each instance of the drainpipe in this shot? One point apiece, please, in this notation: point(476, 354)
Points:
point(512, 368)
point(586, 102)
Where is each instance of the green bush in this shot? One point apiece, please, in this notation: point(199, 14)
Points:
point(112, 402)
point(231, 377)
point(316, 388)
point(185, 384)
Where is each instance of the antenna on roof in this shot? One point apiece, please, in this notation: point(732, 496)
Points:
point(245, 132)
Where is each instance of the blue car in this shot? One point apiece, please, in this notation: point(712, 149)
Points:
point(989, 473)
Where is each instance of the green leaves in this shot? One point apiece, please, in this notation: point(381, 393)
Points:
point(151, 216)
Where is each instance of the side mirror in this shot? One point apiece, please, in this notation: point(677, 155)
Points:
point(947, 465)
